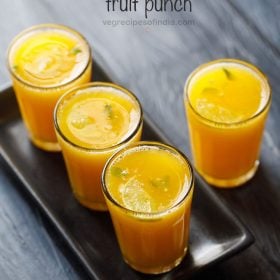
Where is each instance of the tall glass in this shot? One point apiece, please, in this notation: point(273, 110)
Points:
point(148, 188)
point(44, 62)
point(92, 122)
point(227, 102)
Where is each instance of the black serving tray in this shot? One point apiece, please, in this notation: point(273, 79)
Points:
point(216, 233)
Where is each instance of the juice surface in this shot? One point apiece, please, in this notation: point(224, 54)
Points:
point(147, 180)
point(98, 118)
point(227, 93)
point(49, 58)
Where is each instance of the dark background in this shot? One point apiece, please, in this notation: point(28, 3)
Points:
point(154, 61)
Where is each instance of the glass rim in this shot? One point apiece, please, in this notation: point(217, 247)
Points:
point(156, 144)
point(243, 63)
point(73, 90)
point(42, 27)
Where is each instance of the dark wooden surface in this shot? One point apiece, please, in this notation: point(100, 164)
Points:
point(154, 61)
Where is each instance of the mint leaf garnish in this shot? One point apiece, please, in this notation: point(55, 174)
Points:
point(75, 51)
point(109, 111)
point(228, 74)
point(118, 172)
